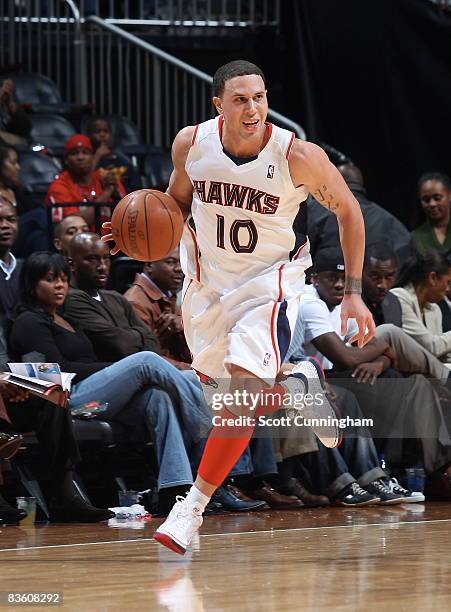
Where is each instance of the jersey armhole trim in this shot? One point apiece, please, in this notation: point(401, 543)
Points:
point(193, 139)
point(287, 154)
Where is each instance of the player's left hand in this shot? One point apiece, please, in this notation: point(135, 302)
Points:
point(353, 307)
point(109, 236)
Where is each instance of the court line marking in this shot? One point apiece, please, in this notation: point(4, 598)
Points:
point(236, 533)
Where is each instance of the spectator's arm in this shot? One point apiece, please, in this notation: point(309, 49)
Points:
point(143, 314)
point(33, 334)
point(150, 341)
point(104, 335)
point(347, 357)
point(438, 344)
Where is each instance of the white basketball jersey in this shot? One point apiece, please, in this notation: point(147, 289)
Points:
point(242, 216)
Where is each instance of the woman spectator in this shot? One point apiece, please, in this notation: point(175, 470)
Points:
point(79, 183)
point(423, 282)
point(142, 390)
point(434, 192)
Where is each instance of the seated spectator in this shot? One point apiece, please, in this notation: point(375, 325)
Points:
point(79, 183)
point(66, 229)
point(32, 218)
point(142, 390)
point(380, 271)
point(400, 409)
point(108, 157)
point(59, 451)
point(15, 123)
point(106, 317)
point(434, 192)
point(380, 225)
point(423, 282)
point(153, 297)
point(9, 267)
point(445, 307)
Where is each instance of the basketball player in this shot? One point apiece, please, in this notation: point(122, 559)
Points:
point(239, 182)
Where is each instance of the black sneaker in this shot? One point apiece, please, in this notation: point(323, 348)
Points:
point(353, 495)
point(409, 496)
point(387, 497)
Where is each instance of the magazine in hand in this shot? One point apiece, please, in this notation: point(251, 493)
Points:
point(41, 379)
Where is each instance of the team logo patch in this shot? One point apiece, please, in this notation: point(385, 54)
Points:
point(270, 173)
point(267, 359)
point(207, 380)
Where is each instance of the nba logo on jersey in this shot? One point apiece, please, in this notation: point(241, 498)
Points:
point(266, 359)
point(270, 173)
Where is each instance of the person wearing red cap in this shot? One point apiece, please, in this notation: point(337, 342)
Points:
point(79, 183)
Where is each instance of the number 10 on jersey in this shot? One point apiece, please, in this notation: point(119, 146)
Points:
point(237, 235)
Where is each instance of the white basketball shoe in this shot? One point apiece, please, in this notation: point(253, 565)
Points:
point(317, 409)
point(180, 526)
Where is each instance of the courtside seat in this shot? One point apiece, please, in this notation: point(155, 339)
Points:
point(158, 168)
point(52, 131)
point(122, 273)
point(39, 93)
point(37, 171)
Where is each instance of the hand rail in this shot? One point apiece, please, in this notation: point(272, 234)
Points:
point(174, 61)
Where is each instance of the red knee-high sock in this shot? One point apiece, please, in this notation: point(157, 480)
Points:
point(226, 443)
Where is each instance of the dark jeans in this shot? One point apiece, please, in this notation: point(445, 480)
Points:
point(332, 469)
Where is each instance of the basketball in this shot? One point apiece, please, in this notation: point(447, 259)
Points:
point(147, 224)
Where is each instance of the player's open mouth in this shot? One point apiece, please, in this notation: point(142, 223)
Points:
point(250, 125)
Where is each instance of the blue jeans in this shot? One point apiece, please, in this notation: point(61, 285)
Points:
point(144, 389)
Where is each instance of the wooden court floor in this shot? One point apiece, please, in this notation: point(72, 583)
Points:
point(392, 558)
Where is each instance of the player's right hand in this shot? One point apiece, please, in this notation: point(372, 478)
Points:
point(108, 237)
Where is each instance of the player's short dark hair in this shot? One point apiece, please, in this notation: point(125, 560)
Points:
point(231, 70)
point(440, 177)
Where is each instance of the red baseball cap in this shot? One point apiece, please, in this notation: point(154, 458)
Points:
point(76, 141)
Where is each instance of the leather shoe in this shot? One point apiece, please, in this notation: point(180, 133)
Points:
point(295, 487)
point(77, 510)
point(438, 488)
point(226, 496)
point(9, 445)
point(275, 500)
point(10, 515)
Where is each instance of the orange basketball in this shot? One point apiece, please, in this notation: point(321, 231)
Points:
point(147, 224)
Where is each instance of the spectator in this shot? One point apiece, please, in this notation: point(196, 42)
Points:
point(59, 451)
point(66, 229)
point(423, 282)
point(106, 317)
point(108, 157)
point(141, 390)
point(445, 307)
point(9, 269)
point(9, 174)
point(379, 274)
point(434, 192)
point(153, 297)
point(79, 183)
point(401, 408)
point(380, 225)
point(15, 124)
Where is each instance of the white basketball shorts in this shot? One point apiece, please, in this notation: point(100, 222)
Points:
point(250, 326)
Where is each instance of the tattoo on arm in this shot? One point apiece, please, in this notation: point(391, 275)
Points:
point(326, 198)
point(353, 285)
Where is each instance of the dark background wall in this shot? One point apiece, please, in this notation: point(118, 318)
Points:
point(373, 78)
point(370, 77)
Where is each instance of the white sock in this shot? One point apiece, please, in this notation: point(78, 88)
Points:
point(195, 496)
